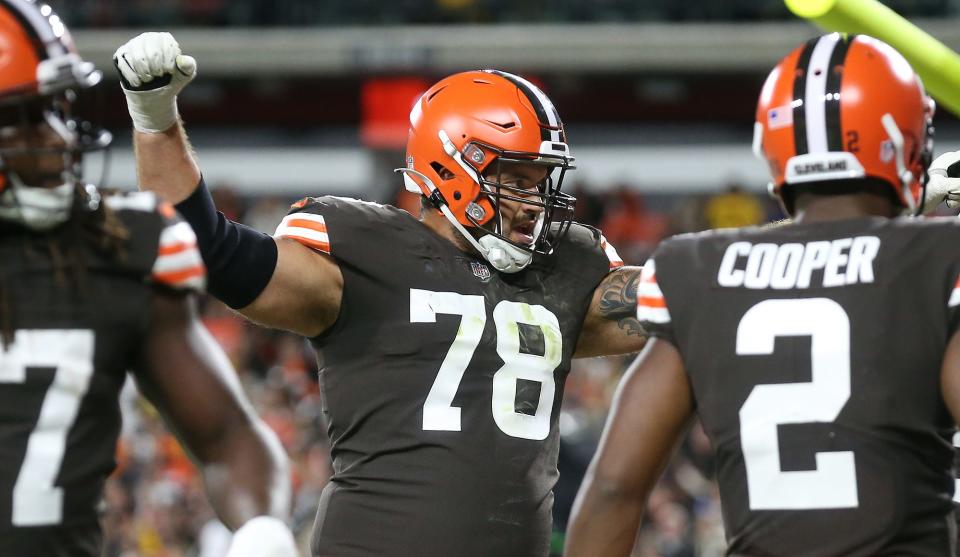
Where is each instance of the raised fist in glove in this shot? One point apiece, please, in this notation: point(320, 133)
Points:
point(152, 72)
point(943, 183)
point(264, 536)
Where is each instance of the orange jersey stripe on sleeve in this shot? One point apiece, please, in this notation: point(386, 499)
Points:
point(179, 264)
point(955, 295)
point(651, 305)
point(177, 247)
point(307, 228)
point(308, 224)
point(611, 253)
point(652, 302)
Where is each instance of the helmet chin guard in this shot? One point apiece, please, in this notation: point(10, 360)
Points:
point(39, 209)
point(504, 256)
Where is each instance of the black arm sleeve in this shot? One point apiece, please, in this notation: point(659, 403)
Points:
point(240, 260)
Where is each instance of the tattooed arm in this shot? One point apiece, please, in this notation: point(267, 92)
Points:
point(611, 325)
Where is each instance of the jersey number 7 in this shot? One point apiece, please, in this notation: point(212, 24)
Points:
point(36, 501)
point(439, 414)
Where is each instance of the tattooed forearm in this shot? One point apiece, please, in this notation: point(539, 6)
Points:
point(618, 299)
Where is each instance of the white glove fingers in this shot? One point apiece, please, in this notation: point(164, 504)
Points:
point(171, 51)
point(154, 57)
point(137, 56)
point(126, 68)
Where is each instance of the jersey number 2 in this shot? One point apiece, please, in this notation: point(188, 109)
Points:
point(833, 484)
point(36, 501)
point(439, 414)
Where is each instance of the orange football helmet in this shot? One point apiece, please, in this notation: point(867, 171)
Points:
point(40, 71)
point(845, 108)
point(461, 129)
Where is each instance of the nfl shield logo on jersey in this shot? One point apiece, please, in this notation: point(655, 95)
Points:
point(480, 270)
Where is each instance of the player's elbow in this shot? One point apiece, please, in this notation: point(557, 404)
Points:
point(612, 486)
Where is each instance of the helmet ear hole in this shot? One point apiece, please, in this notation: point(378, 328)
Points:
point(442, 171)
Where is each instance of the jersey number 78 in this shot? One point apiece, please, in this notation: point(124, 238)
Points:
point(439, 414)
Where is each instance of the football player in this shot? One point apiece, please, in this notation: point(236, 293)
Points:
point(92, 285)
point(822, 357)
point(445, 340)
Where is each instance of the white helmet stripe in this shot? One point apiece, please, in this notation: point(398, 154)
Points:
point(814, 100)
point(553, 118)
point(41, 21)
point(542, 104)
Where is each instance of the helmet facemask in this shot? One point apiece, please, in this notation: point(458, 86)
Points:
point(484, 164)
point(554, 218)
point(34, 131)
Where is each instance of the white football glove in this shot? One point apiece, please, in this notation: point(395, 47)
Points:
point(943, 183)
point(152, 73)
point(263, 536)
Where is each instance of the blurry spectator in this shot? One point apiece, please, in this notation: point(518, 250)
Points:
point(688, 215)
point(228, 202)
point(633, 230)
point(266, 214)
point(735, 208)
point(204, 12)
point(671, 530)
point(589, 208)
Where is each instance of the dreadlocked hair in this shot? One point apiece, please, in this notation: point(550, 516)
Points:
point(91, 225)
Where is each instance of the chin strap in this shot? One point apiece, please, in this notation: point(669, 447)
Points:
point(504, 256)
point(906, 177)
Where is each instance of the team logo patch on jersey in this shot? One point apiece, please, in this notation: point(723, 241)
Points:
point(480, 271)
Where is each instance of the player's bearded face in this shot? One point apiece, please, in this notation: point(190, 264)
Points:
point(519, 219)
point(36, 154)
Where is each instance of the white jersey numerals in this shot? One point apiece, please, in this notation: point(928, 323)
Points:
point(530, 367)
point(36, 501)
point(833, 485)
point(439, 414)
point(956, 482)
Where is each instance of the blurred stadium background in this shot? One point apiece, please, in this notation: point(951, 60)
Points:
point(307, 97)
